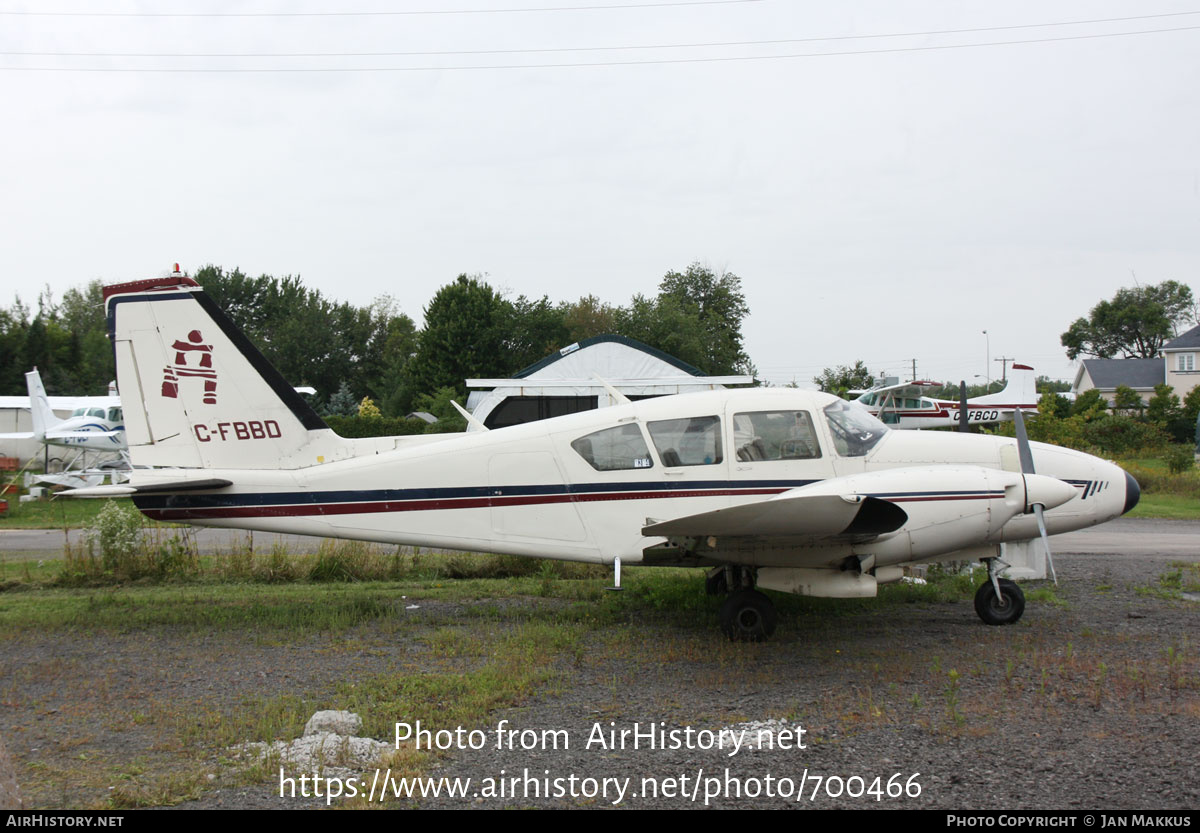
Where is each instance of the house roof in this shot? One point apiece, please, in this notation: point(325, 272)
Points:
point(1136, 373)
point(1188, 341)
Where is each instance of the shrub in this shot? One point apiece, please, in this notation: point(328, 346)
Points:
point(1180, 458)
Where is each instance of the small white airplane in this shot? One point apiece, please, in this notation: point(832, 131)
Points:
point(95, 424)
point(789, 490)
point(905, 406)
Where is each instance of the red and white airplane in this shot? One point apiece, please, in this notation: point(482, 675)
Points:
point(905, 406)
point(789, 490)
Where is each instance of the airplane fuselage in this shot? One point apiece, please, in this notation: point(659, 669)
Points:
point(532, 489)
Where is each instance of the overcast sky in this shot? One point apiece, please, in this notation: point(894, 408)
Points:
point(884, 205)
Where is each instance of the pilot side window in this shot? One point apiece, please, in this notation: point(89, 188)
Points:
point(775, 435)
point(695, 441)
point(615, 449)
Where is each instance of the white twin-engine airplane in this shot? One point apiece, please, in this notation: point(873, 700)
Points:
point(789, 490)
point(905, 406)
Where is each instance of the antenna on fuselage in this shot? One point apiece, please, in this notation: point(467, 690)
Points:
point(467, 415)
point(618, 398)
point(616, 574)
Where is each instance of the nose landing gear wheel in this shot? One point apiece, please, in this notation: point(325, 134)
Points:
point(1003, 610)
point(748, 616)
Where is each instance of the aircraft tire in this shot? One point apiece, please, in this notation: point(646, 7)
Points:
point(1000, 611)
point(748, 616)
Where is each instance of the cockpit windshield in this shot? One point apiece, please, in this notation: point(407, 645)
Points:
point(855, 432)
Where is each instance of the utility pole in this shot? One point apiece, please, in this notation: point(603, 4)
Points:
point(1004, 360)
point(914, 376)
point(987, 364)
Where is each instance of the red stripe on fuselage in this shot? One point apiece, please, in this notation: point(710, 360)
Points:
point(364, 508)
point(373, 507)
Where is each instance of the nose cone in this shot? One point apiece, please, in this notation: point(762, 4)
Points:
point(1133, 493)
point(1048, 491)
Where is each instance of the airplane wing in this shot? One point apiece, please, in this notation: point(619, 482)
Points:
point(79, 435)
point(905, 389)
point(792, 515)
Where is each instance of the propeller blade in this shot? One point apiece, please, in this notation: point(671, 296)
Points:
point(963, 410)
point(1026, 454)
point(1041, 519)
point(1023, 444)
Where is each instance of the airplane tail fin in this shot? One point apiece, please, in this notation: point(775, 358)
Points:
point(42, 415)
point(1021, 389)
point(196, 393)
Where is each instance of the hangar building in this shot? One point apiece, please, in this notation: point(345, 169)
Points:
point(569, 381)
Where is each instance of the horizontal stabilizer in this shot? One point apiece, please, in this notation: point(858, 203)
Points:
point(126, 490)
point(801, 515)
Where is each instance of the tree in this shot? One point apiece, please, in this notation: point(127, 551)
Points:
point(696, 317)
point(1088, 404)
point(588, 317)
point(1127, 401)
point(342, 403)
point(533, 330)
point(842, 379)
point(464, 337)
point(1166, 411)
point(1134, 324)
point(718, 303)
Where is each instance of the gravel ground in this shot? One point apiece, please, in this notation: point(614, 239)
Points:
point(1089, 704)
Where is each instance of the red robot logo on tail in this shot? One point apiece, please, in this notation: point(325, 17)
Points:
point(192, 348)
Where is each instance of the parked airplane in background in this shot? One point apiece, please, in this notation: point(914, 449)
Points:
point(95, 423)
point(789, 490)
point(904, 406)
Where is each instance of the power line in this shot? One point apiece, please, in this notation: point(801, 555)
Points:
point(715, 44)
point(387, 13)
point(724, 59)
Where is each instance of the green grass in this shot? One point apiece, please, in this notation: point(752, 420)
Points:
point(1174, 507)
point(57, 513)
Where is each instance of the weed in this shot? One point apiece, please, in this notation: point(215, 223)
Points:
point(953, 692)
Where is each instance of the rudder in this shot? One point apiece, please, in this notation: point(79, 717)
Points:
point(196, 393)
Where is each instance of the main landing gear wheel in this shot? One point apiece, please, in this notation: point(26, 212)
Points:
point(748, 616)
point(1003, 610)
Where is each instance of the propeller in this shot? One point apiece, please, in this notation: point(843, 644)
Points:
point(1026, 454)
point(963, 410)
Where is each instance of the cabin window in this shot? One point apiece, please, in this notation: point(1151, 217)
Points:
point(615, 449)
point(775, 435)
point(1187, 361)
point(855, 432)
point(867, 399)
point(114, 414)
point(694, 441)
point(97, 412)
